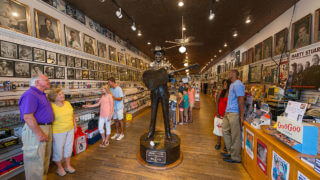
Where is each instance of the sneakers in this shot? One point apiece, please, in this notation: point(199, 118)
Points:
point(121, 136)
point(115, 136)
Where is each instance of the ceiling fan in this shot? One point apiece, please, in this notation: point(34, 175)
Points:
point(184, 41)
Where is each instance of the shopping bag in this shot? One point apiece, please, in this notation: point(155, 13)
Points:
point(217, 130)
point(80, 141)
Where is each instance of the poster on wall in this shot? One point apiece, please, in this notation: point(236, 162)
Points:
point(280, 40)
point(284, 72)
point(305, 68)
point(244, 58)
point(47, 27)
point(262, 154)
point(250, 144)
point(280, 168)
point(250, 56)
point(258, 52)
point(301, 32)
point(302, 176)
point(245, 74)
point(270, 74)
point(267, 48)
point(15, 16)
point(73, 38)
point(89, 44)
point(255, 73)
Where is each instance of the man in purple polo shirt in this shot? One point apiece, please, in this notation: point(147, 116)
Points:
point(36, 112)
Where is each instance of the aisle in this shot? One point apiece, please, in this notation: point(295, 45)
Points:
point(118, 161)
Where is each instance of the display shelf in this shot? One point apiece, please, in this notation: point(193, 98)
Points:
point(133, 111)
point(12, 173)
point(9, 152)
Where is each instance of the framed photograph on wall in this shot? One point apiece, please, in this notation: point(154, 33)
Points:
point(78, 74)
point(73, 38)
point(70, 61)
point(15, 16)
point(49, 71)
point(84, 64)
point(47, 27)
point(9, 50)
point(280, 42)
point(77, 62)
point(267, 48)
point(21, 69)
point(90, 65)
point(112, 54)
point(36, 69)
point(96, 75)
point(85, 74)
point(51, 57)
point(91, 75)
point(59, 73)
point(39, 55)
point(70, 73)
point(255, 73)
point(62, 60)
point(102, 50)
point(101, 76)
point(258, 52)
point(121, 58)
point(250, 56)
point(6, 68)
point(89, 44)
point(244, 58)
point(25, 52)
point(96, 66)
point(301, 32)
point(316, 31)
point(270, 74)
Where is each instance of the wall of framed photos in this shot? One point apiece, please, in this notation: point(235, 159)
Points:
point(258, 57)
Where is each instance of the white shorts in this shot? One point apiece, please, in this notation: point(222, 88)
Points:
point(191, 105)
point(118, 114)
point(62, 145)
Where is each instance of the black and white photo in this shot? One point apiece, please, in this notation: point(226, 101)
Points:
point(70, 73)
point(9, 50)
point(78, 74)
point(6, 68)
point(59, 72)
point(90, 65)
point(70, 61)
point(96, 66)
point(62, 60)
point(49, 71)
point(84, 64)
point(77, 62)
point(39, 55)
point(36, 69)
point(25, 52)
point(91, 75)
point(21, 69)
point(51, 57)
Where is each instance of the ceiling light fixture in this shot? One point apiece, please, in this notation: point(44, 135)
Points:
point(180, 3)
point(149, 43)
point(185, 64)
point(225, 45)
point(119, 14)
point(235, 34)
point(215, 56)
point(139, 33)
point(102, 1)
point(187, 70)
point(211, 15)
point(184, 28)
point(220, 50)
point(248, 20)
point(182, 49)
point(133, 27)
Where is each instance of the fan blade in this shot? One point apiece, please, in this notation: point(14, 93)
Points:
point(180, 41)
point(171, 47)
point(172, 42)
point(190, 38)
point(194, 44)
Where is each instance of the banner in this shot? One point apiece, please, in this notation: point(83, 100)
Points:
point(290, 128)
point(305, 68)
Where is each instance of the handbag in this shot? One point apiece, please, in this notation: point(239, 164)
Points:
point(80, 141)
point(217, 130)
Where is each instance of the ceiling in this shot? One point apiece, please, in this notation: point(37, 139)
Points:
point(160, 20)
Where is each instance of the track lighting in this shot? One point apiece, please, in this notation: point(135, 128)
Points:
point(149, 43)
point(182, 49)
point(248, 20)
point(180, 3)
point(102, 1)
point(235, 34)
point(119, 14)
point(211, 15)
point(133, 27)
point(139, 33)
point(225, 45)
point(185, 64)
point(220, 50)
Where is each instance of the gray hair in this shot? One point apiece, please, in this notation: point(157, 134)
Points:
point(34, 78)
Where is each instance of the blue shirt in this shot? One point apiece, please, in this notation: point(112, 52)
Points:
point(236, 90)
point(35, 102)
point(186, 101)
point(117, 92)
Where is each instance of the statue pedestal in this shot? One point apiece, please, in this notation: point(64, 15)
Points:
point(164, 154)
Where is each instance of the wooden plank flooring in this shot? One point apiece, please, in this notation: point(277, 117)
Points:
point(118, 161)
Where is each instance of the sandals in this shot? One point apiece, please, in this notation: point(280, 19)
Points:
point(70, 171)
point(218, 146)
point(104, 144)
point(61, 173)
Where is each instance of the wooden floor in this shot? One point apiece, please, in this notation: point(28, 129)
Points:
point(118, 161)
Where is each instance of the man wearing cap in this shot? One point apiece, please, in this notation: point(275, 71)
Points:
point(36, 112)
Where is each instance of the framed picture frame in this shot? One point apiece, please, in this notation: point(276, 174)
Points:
point(51, 57)
point(91, 75)
point(59, 72)
point(280, 42)
point(112, 53)
point(270, 74)
point(21, 69)
point(105, 76)
point(102, 50)
point(25, 52)
point(255, 73)
point(89, 44)
point(244, 58)
point(70, 61)
point(121, 58)
point(90, 65)
point(6, 68)
point(20, 19)
point(49, 71)
point(96, 66)
point(70, 74)
point(62, 60)
point(78, 74)
point(316, 34)
point(85, 74)
point(250, 56)
point(258, 52)
point(73, 38)
point(96, 75)
point(77, 62)
point(84, 63)
point(301, 32)
point(36, 69)
point(100, 76)
point(39, 55)
point(267, 48)
point(9, 50)
point(47, 27)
